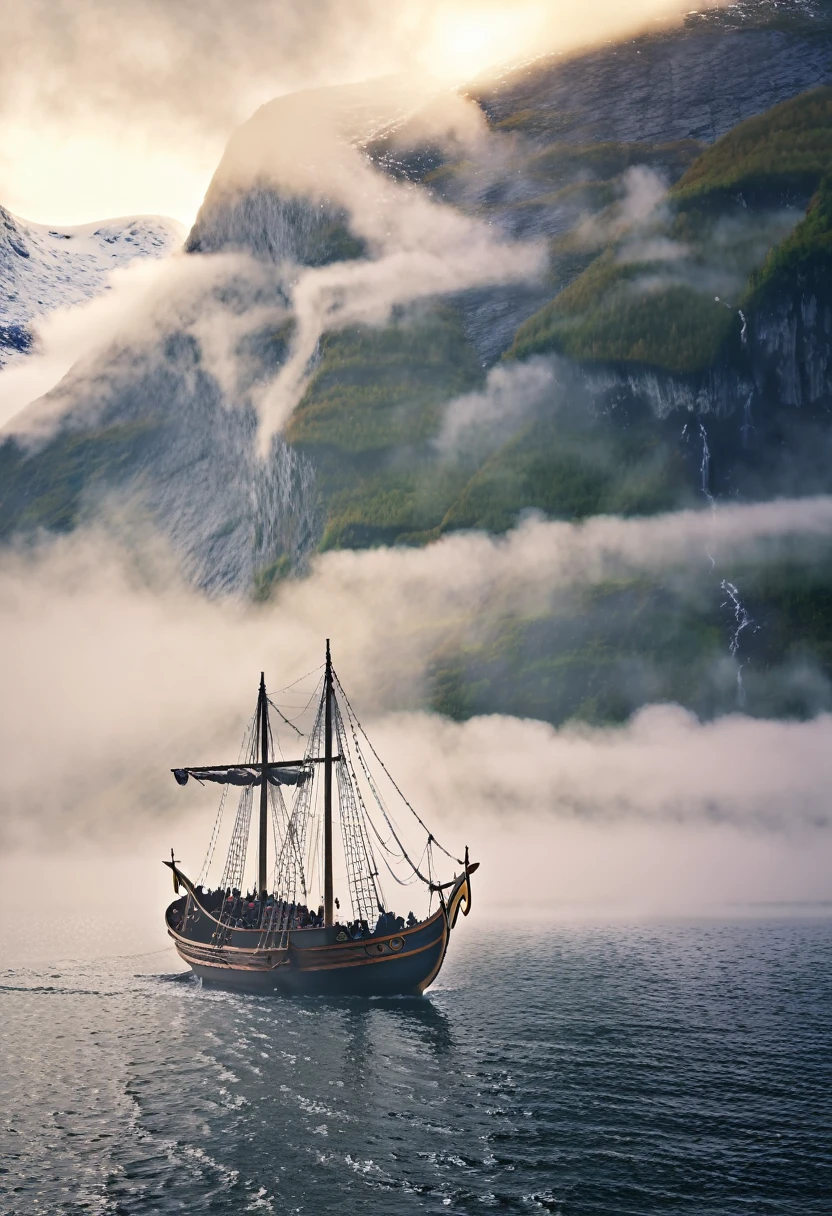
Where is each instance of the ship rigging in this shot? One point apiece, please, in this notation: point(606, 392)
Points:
point(273, 939)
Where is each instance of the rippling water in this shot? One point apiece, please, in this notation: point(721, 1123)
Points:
point(679, 1067)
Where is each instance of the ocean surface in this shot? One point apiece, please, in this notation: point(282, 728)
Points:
point(681, 1066)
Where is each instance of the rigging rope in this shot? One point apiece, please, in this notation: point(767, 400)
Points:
point(297, 849)
point(291, 721)
point(299, 680)
point(403, 882)
point(365, 892)
point(384, 844)
point(245, 750)
point(352, 714)
point(280, 714)
point(383, 810)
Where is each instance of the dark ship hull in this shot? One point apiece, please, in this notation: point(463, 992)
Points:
point(312, 962)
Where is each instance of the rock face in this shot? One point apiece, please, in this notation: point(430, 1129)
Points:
point(792, 343)
point(156, 436)
point(45, 268)
point(149, 429)
point(681, 85)
point(578, 154)
point(272, 227)
point(279, 191)
point(652, 103)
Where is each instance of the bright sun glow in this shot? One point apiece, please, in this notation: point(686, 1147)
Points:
point(468, 42)
point(471, 37)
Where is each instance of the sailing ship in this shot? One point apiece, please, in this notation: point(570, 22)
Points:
point(270, 940)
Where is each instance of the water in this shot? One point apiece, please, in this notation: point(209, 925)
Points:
point(612, 1069)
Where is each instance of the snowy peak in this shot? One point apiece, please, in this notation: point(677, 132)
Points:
point(46, 267)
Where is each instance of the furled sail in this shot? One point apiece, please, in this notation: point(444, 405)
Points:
point(243, 775)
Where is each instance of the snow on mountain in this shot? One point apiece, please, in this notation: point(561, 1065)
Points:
point(43, 268)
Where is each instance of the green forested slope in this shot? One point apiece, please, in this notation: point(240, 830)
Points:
point(602, 651)
point(367, 421)
point(652, 295)
point(804, 259)
point(711, 236)
point(789, 148)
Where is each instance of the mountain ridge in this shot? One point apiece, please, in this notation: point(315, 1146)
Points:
point(621, 424)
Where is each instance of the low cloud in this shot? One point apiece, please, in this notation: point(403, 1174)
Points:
point(476, 422)
point(309, 146)
point(640, 207)
point(457, 254)
point(664, 766)
point(297, 159)
point(124, 671)
point(84, 356)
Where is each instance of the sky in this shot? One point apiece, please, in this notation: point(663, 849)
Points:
point(102, 116)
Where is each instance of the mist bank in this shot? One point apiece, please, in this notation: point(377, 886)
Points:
point(118, 671)
point(535, 870)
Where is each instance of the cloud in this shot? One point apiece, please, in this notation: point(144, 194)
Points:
point(663, 766)
point(723, 255)
point(476, 422)
point(299, 168)
point(85, 354)
point(118, 670)
point(440, 252)
point(98, 124)
point(639, 209)
point(76, 333)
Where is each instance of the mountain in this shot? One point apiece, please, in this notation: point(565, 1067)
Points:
point(44, 268)
point(675, 352)
point(655, 302)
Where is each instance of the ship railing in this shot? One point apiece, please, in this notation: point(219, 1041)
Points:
point(273, 936)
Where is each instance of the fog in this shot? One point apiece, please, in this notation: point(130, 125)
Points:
point(305, 148)
point(86, 354)
point(116, 671)
point(309, 146)
point(476, 422)
point(534, 870)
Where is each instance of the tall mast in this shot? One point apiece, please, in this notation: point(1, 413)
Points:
point(263, 719)
point(329, 918)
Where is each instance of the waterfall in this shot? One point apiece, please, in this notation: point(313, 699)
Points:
point(747, 425)
point(742, 618)
point(705, 467)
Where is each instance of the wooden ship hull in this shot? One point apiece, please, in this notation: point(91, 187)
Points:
point(312, 962)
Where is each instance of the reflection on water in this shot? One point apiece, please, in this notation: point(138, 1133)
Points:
point(571, 1069)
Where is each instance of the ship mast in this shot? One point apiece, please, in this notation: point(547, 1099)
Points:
point(263, 722)
point(329, 918)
